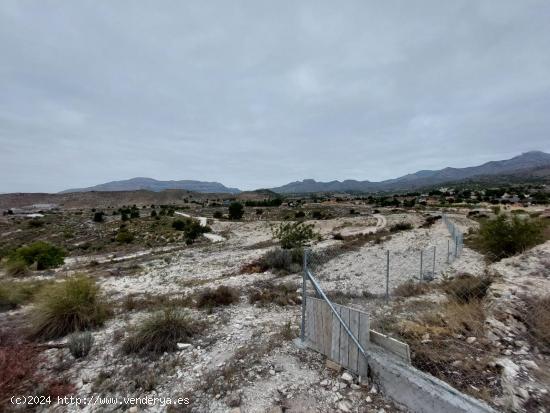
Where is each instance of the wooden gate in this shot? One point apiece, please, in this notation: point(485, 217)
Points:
point(325, 333)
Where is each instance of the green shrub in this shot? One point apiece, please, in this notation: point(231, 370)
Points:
point(36, 223)
point(401, 226)
point(191, 228)
point(162, 332)
point(68, 306)
point(223, 295)
point(98, 216)
point(503, 237)
point(124, 236)
point(218, 215)
point(80, 344)
point(236, 210)
point(41, 253)
point(293, 234)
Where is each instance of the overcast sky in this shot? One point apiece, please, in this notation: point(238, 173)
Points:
point(257, 94)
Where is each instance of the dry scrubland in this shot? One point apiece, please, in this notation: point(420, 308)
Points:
point(211, 316)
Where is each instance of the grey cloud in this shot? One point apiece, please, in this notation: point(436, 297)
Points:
point(256, 94)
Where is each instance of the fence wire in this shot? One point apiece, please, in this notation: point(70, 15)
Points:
point(457, 329)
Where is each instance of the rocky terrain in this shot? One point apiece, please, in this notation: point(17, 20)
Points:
point(245, 358)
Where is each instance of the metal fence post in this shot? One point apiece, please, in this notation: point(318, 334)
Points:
point(387, 276)
point(421, 272)
point(433, 267)
point(304, 277)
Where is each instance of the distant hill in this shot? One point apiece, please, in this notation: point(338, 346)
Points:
point(529, 165)
point(149, 184)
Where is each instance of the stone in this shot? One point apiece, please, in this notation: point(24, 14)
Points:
point(184, 346)
point(133, 409)
point(521, 392)
point(347, 377)
point(368, 399)
point(345, 406)
point(272, 372)
point(374, 389)
point(235, 410)
point(325, 383)
point(530, 364)
point(470, 340)
point(354, 386)
point(333, 366)
point(233, 399)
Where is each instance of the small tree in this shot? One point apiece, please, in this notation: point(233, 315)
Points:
point(236, 210)
point(98, 216)
point(293, 234)
point(41, 253)
point(503, 237)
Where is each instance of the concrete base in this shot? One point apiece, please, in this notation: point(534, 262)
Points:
point(416, 390)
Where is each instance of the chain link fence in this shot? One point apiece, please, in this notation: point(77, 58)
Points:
point(461, 328)
point(385, 263)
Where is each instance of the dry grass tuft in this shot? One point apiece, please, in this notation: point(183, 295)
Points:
point(538, 320)
point(466, 287)
point(411, 289)
point(66, 307)
point(16, 293)
point(161, 332)
point(137, 302)
point(265, 293)
point(221, 296)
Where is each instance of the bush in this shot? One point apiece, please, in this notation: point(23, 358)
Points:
point(41, 253)
point(236, 210)
point(401, 226)
point(538, 320)
point(293, 234)
point(223, 295)
point(411, 289)
point(98, 216)
point(466, 287)
point(36, 223)
point(265, 293)
point(502, 237)
point(281, 259)
point(18, 370)
point(17, 267)
point(80, 344)
point(14, 294)
point(191, 228)
point(124, 236)
point(218, 215)
point(162, 332)
point(68, 306)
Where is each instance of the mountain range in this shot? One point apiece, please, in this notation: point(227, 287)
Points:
point(534, 164)
point(149, 184)
point(527, 165)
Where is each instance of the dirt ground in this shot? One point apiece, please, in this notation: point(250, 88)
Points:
point(246, 359)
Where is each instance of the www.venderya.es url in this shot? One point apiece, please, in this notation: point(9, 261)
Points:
point(99, 401)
